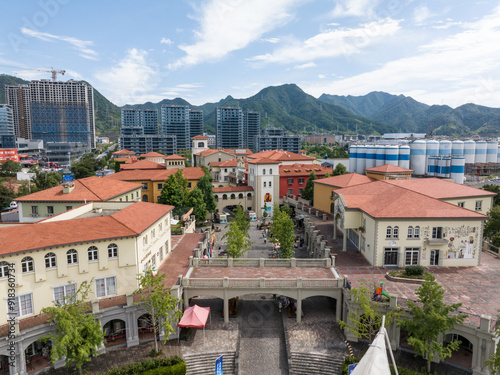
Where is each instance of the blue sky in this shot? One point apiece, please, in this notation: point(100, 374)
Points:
point(438, 52)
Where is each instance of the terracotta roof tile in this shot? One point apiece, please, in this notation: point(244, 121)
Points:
point(232, 189)
point(175, 157)
point(303, 170)
point(345, 180)
point(152, 154)
point(191, 173)
point(227, 163)
point(143, 164)
point(388, 168)
point(199, 137)
point(263, 161)
point(124, 152)
point(141, 215)
point(281, 155)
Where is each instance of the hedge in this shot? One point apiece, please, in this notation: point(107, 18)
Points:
point(178, 369)
point(149, 364)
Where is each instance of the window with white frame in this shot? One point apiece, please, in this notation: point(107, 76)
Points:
point(93, 254)
point(105, 286)
point(50, 260)
point(270, 171)
point(410, 232)
point(388, 232)
point(437, 232)
point(264, 183)
point(461, 204)
point(145, 240)
point(263, 171)
point(112, 251)
point(479, 205)
point(22, 305)
point(416, 232)
point(153, 234)
point(301, 180)
point(27, 264)
point(64, 293)
point(72, 256)
point(160, 227)
point(270, 184)
point(4, 269)
point(395, 232)
point(160, 253)
point(290, 181)
point(411, 256)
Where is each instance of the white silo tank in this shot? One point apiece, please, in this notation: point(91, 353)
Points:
point(498, 154)
point(445, 148)
point(481, 147)
point(417, 157)
point(470, 151)
point(458, 169)
point(404, 157)
point(457, 148)
point(491, 151)
point(380, 156)
point(361, 159)
point(392, 155)
point(371, 156)
point(433, 166)
point(431, 150)
point(444, 167)
point(353, 155)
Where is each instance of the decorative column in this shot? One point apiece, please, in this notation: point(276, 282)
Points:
point(299, 300)
point(344, 240)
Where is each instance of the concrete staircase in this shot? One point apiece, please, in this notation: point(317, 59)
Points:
point(202, 363)
point(315, 364)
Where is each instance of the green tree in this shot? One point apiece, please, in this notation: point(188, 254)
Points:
point(175, 192)
point(86, 167)
point(339, 169)
point(207, 172)
point(430, 318)
point(11, 167)
point(327, 175)
point(494, 189)
point(365, 315)
point(77, 333)
point(196, 200)
point(156, 299)
point(45, 180)
point(494, 361)
point(240, 217)
point(6, 195)
point(283, 231)
point(308, 192)
point(264, 212)
point(205, 185)
point(492, 226)
point(237, 242)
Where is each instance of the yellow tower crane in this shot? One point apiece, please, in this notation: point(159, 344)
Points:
point(53, 71)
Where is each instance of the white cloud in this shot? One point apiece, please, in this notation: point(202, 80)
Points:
point(421, 14)
point(446, 25)
point(454, 70)
point(166, 41)
point(305, 66)
point(331, 43)
point(271, 40)
point(183, 87)
point(132, 80)
point(321, 76)
point(358, 8)
point(226, 26)
point(83, 46)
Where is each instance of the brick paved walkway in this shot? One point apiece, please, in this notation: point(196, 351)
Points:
point(268, 272)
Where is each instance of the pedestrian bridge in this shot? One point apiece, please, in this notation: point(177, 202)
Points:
point(295, 278)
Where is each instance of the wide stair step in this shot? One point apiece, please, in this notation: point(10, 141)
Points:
point(204, 363)
point(315, 364)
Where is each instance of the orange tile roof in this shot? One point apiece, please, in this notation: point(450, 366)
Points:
point(238, 151)
point(124, 152)
point(440, 189)
point(303, 170)
point(380, 199)
point(191, 173)
point(345, 180)
point(175, 157)
point(281, 156)
point(199, 137)
point(129, 160)
point(152, 154)
point(90, 189)
point(388, 168)
point(227, 163)
point(130, 221)
point(143, 164)
point(232, 189)
point(263, 161)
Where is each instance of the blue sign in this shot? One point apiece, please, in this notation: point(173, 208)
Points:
point(68, 177)
point(351, 368)
point(218, 366)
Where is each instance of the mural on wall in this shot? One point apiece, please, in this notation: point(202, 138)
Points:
point(268, 197)
point(463, 242)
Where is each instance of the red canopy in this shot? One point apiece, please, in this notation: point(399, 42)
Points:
point(195, 316)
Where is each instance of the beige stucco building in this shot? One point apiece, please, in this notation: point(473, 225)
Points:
point(264, 178)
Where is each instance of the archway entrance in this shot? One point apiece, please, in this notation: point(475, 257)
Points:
point(37, 356)
point(4, 365)
point(114, 333)
point(145, 328)
point(463, 356)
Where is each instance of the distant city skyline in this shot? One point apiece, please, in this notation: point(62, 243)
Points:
point(437, 52)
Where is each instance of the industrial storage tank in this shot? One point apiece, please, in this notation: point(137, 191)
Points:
point(480, 152)
point(445, 148)
point(458, 169)
point(404, 157)
point(353, 155)
point(432, 165)
point(371, 156)
point(392, 155)
point(470, 151)
point(417, 157)
point(491, 151)
point(444, 167)
point(498, 154)
point(360, 159)
point(457, 148)
point(432, 150)
point(380, 156)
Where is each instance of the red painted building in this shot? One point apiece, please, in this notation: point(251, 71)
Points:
point(293, 178)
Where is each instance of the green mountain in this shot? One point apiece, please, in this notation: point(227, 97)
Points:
point(410, 116)
point(6, 79)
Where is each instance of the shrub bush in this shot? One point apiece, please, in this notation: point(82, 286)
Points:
point(149, 364)
point(178, 369)
point(414, 270)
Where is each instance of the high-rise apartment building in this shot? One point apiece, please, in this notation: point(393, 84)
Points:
point(175, 121)
point(7, 137)
point(54, 111)
point(236, 128)
point(195, 123)
point(276, 139)
point(139, 122)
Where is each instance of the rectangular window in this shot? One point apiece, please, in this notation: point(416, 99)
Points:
point(270, 184)
point(290, 181)
point(411, 256)
point(144, 186)
point(50, 210)
point(160, 186)
point(301, 181)
point(264, 183)
point(34, 210)
point(153, 234)
point(145, 240)
point(461, 204)
point(189, 184)
point(69, 208)
point(479, 205)
point(23, 305)
point(105, 286)
point(437, 232)
point(390, 256)
point(290, 191)
point(63, 292)
point(388, 233)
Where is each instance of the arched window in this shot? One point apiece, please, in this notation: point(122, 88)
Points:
point(271, 171)
point(93, 253)
point(264, 183)
point(216, 198)
point(240, 196)
point(4, 269)
point(50, 260)
point(224, 196)
point(72, 256)
point(144, 198)
point(27, 264)
point(249, 195)
point(263, 171)
point(112, 251)
point(416, 232)
point(233, 196)
point(410, 232)
point(395, 232)
point(388, 233)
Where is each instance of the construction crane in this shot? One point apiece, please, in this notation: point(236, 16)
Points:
point(53, 71)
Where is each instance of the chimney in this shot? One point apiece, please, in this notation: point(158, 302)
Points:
point(68, 187)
